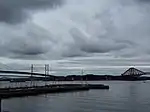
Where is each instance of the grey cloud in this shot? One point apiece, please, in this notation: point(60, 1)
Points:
point(73, 52)
point(96, 44)
point(116, 36)
point(120, 30)
point(23, 47)
point(30, 43)
point(14, 11)
point(107, 62)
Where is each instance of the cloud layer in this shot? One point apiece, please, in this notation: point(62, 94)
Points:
point(76, 28)
point(86, 28)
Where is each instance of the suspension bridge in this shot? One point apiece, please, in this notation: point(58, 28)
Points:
point(21, 91)
point(16, 73)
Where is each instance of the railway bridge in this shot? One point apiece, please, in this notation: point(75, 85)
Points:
point(134, 72)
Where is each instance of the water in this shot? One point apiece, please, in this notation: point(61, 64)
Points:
point(122, 97)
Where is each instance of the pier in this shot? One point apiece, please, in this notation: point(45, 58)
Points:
point(6, 93)
point(36, 90)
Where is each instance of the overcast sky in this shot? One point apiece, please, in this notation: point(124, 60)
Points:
point(75, 34)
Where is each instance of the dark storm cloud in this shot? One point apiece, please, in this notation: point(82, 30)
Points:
point(14, 11)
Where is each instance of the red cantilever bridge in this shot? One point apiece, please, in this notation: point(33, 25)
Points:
point(134, 72)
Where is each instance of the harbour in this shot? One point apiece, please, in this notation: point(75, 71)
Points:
point(122, 96)
point(74, 56)
point(36, 84)
point(15, 92)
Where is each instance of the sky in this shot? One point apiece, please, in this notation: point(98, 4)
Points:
point(96, 35)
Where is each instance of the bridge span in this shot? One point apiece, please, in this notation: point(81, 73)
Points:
point(25, 73)
point(134, 72)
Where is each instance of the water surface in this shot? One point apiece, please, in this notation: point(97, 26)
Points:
point(122, 97)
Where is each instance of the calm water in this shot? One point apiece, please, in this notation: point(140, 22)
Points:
point(122, 97)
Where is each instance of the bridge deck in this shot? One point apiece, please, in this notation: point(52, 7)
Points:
point(24, 73)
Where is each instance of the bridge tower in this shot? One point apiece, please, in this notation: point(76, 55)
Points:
point(133, 72)
point(47, 69)
point(32, 70)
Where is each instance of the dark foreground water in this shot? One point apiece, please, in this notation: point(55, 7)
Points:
point(122, 97)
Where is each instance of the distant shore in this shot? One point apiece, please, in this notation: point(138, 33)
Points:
point(88, 77)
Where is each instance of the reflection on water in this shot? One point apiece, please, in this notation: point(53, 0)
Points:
point(122, 97)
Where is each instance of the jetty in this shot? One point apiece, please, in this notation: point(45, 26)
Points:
point(36, 90)
point(10, 92)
